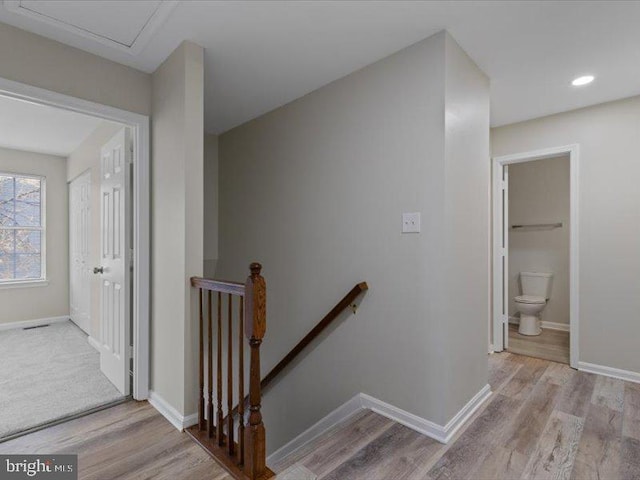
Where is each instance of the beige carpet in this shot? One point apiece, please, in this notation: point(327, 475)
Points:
point(47, 374)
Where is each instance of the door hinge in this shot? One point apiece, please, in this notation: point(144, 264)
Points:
point(129, 351)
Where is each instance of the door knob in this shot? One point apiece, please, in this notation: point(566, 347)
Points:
point(97, 270)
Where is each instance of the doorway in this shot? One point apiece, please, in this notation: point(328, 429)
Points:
point(65, 341)
point(519, 283)
point(139, 127)
point(50, 369)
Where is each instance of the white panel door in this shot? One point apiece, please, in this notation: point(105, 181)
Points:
point(500, 257)
point(79, 241)
point(115, 254)
point(505, 257)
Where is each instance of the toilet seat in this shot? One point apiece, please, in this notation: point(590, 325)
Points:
point(530, 299)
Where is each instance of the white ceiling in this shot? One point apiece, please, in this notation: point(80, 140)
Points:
point(42, 129)
point(260, 55)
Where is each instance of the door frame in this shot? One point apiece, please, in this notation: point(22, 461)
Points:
point(498, 164)
point(139, 125)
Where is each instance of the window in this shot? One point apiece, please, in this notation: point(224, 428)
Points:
point(22, 228)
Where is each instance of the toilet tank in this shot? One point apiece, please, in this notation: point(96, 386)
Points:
point(536, 284)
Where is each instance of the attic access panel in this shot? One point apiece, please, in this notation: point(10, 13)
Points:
point(126, 26)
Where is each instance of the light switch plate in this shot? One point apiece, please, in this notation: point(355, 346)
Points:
point(411, 222)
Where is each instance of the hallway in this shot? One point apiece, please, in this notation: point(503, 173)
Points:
point(545, 420)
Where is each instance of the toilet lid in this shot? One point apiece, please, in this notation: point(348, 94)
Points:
point(530, 299)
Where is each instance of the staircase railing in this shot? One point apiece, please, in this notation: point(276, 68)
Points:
point(246, 458)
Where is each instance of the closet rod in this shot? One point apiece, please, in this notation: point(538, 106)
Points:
point(539, 225)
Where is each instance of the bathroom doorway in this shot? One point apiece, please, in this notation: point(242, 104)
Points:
point(535, 302)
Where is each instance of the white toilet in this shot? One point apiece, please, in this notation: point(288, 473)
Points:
point(536, 289)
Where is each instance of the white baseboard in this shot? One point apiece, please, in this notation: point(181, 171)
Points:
point(93, 342)
point(363, 401)
point(340, 414)
point(170, 413)
point(438, 432)
point(466, 412)
point(33, 323)
point(190, 420)
point(627, 375)
point(564, 327)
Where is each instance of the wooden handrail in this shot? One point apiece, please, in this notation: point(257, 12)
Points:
point(313, 334)
point(222, 286)
point(309, 337)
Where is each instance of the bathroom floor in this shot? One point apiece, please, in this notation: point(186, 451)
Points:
point(549, 345)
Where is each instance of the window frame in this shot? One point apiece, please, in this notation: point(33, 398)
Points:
point(42, 280)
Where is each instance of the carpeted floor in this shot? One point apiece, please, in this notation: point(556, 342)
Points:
point(47, 374)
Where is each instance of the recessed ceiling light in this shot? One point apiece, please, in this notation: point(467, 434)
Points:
point(584, 80)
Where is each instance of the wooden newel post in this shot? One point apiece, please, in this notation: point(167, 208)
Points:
point(255, 327)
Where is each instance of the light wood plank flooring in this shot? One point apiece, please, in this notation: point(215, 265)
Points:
point(549, 345)
point(126, 442)
point(544, 420)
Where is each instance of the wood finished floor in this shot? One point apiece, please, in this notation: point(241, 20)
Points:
point(549, 345)
point(125, 442)
point(544, 420)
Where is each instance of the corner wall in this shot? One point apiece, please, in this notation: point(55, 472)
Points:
point(315, 191)
point(465, 257)
point(177, 223)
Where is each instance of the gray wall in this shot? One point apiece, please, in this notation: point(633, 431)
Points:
point(31, 303)
point(35, 60)
point(609, 220)
point(539, 193)
point(211, 206)
point(177, 223)
point(464, 269)
point(315, 191)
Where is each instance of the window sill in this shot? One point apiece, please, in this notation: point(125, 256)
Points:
point(24, 284)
